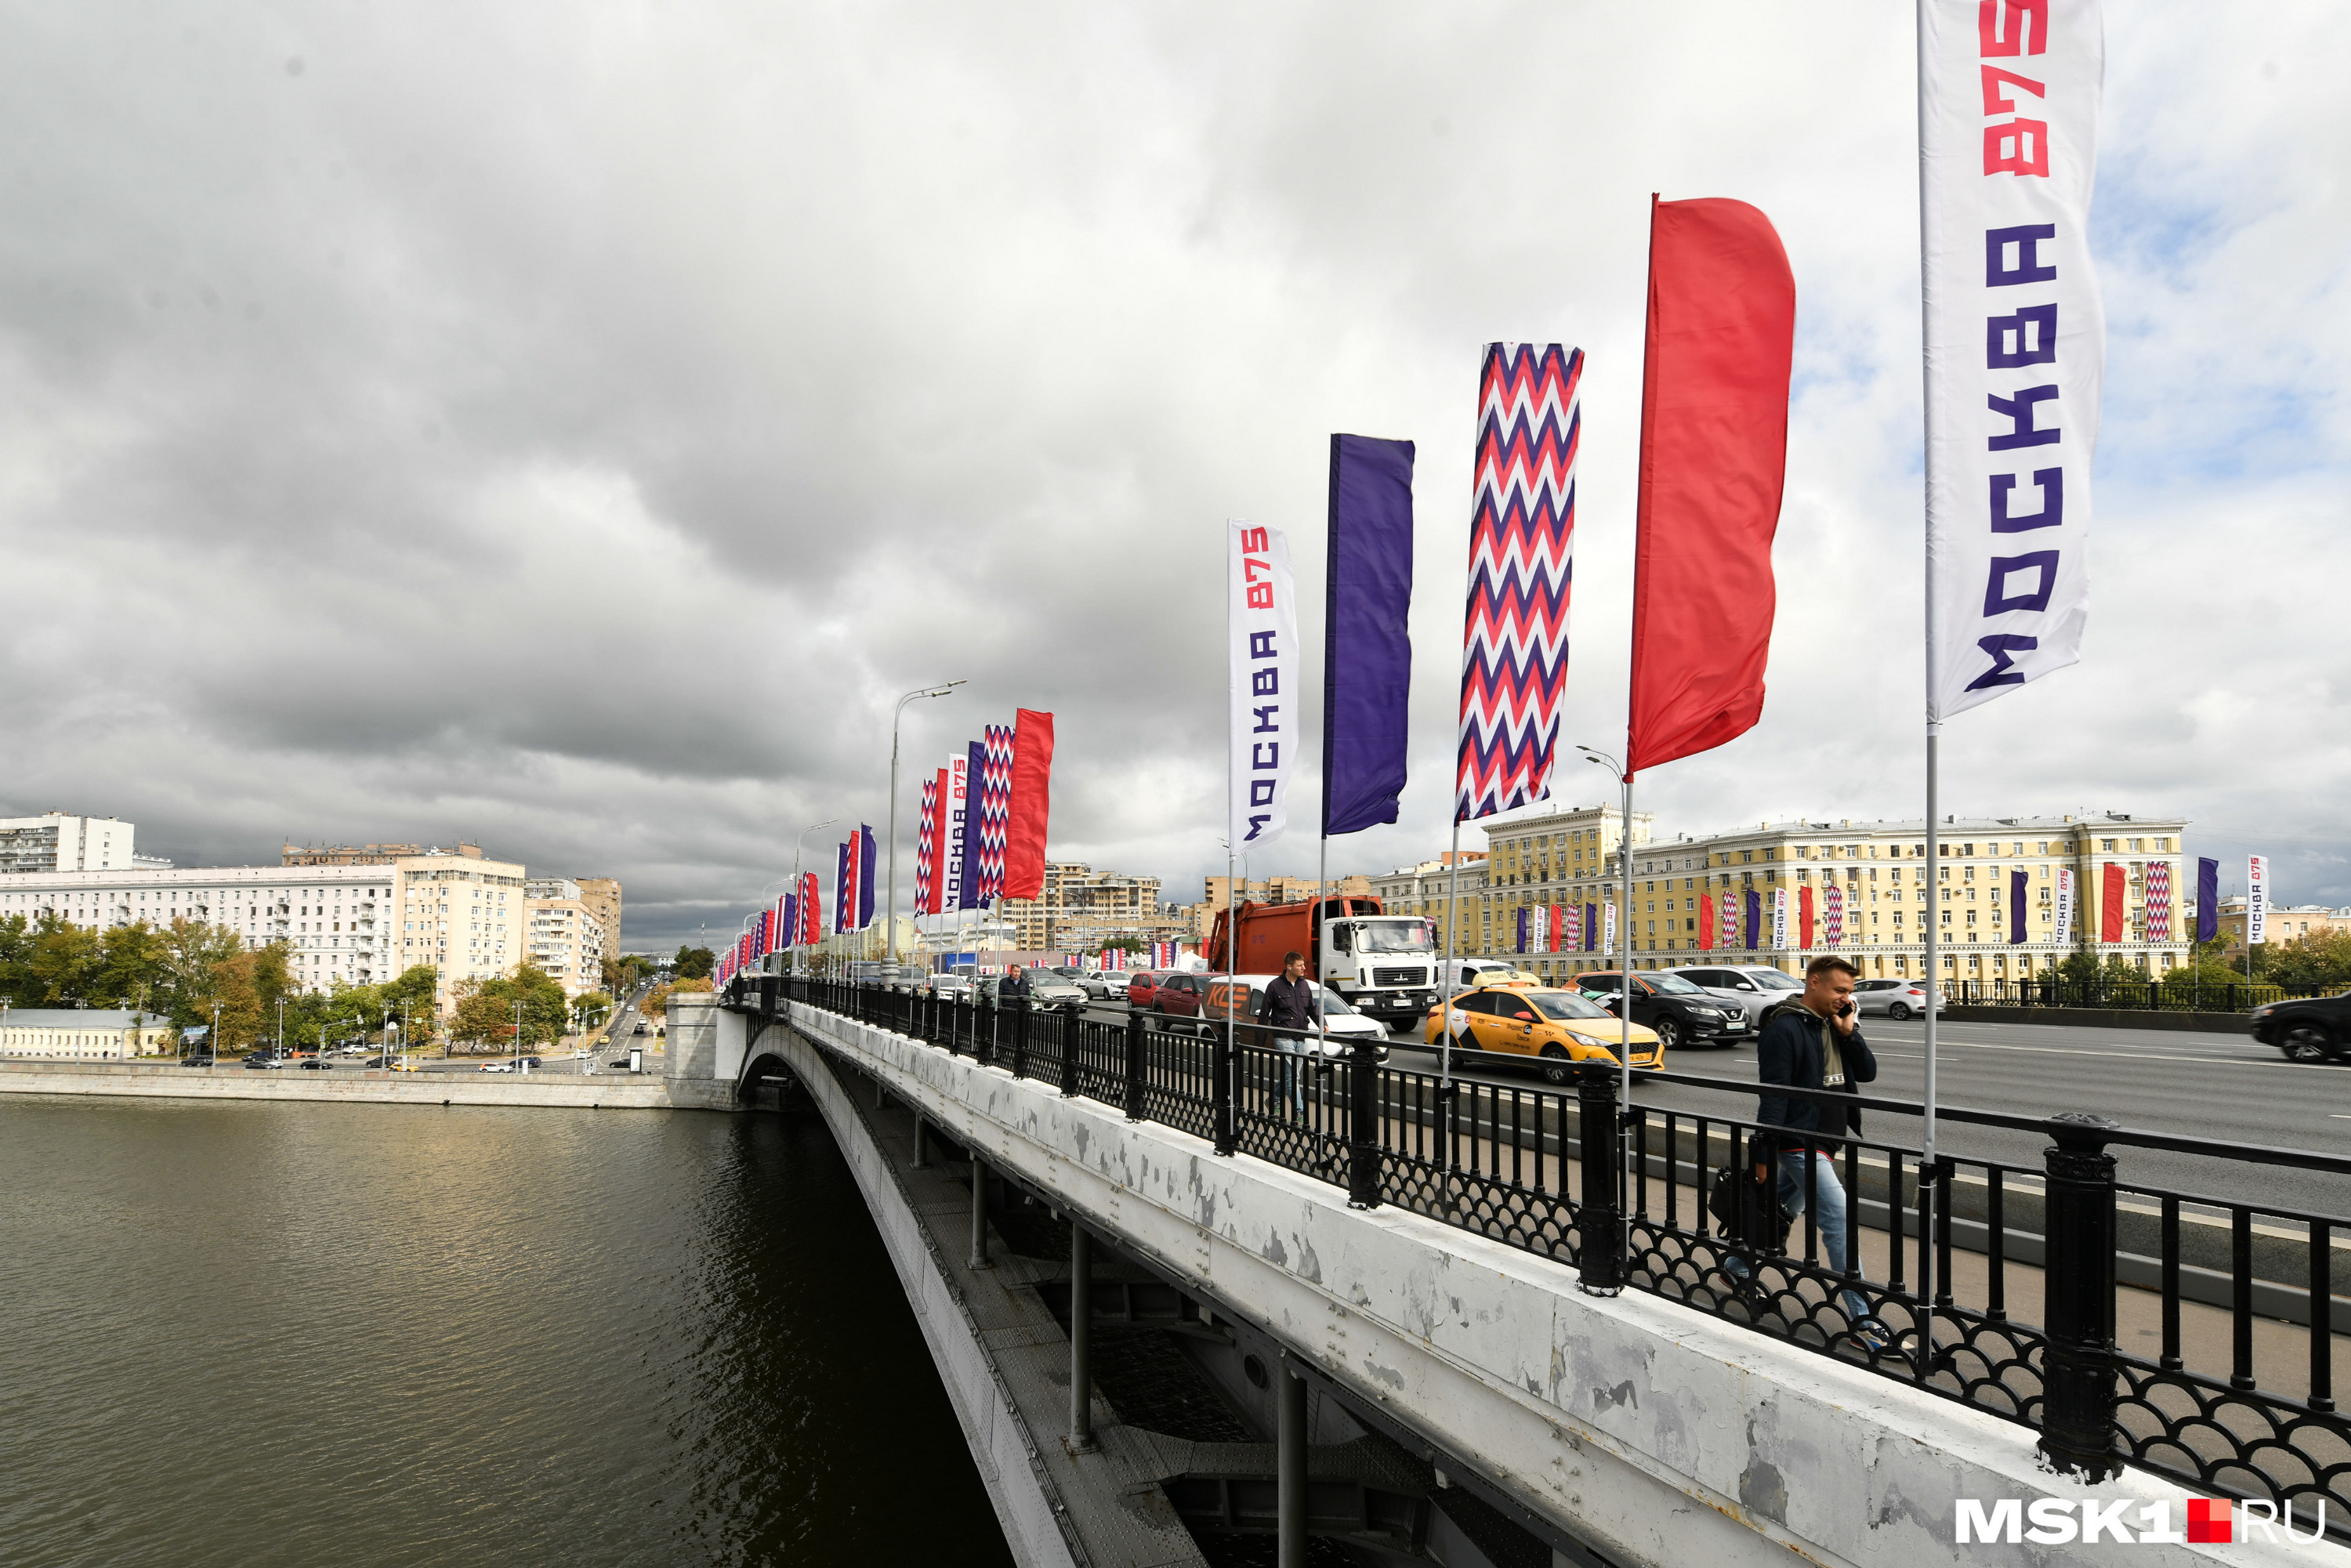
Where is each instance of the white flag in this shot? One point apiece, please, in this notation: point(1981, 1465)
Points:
point(1779, 917)
point(953, 812)
point(1261, 619)
point(2257, 899)
point(2015, 336)
point(2064, 904)
point(1608, 928)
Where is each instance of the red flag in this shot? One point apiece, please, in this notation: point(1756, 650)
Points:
point(1706, 923)
point(1714, 448)
point(1804, 913)
point(1032, 802)
point(2110, 906)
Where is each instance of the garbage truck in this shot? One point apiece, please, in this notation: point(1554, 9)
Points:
point(1383, 965)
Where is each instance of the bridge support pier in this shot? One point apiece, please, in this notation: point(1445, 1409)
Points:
point(1081, 1340)
point(979, 1212)
point(1290, 1468)
point(921, 1144)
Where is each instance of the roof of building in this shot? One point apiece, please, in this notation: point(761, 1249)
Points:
point(80, 1017)
point(2097, 823)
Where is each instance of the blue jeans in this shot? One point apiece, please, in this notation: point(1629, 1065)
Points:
point(1291, 1091)
point(1826, 1201)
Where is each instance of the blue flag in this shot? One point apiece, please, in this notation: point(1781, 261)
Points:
point(1522, 923)
point(2207, 899)
point(1754, 917)
point(2016, 880)
point(1366, 645)
point(865, 858)
point(967, 890)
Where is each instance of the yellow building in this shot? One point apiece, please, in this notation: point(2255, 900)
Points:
point(82, 1034)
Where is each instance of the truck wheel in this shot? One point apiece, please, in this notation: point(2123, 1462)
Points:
point(1556, 1068)
point(2307, 1042)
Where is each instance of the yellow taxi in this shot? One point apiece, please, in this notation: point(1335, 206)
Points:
point(1557, 1028)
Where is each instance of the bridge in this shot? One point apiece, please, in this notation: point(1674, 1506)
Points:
point(1181, 1286)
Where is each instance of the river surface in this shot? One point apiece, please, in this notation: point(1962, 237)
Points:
point(263, 1333)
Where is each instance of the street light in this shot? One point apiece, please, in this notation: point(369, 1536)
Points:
point(1624, 947)
point(798, 843)
point(890, 942)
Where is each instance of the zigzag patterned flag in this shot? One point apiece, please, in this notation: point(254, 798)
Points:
point(2157, 901)
point(1832, 934)
point(994, 807)
point(926, 834)
point(1521, 563)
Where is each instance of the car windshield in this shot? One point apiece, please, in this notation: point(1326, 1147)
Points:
point(1333, 1004)
point(1565, 1005)
point(1395, 936)
point(1773, 980)
point(1673, 985)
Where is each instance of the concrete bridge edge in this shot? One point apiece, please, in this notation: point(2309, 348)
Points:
point(1001, 1444)
point(1907, 1452)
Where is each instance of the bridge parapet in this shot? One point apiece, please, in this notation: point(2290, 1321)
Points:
point(1649, 1433)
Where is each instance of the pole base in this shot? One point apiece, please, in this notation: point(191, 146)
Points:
point(1600, 1290)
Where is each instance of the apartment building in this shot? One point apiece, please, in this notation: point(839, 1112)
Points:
point(602, 894)
point(363, 854)
point(1081, 908)
point(1889, 892)
point(57, 841)
point(344, 924)
point(562, 936)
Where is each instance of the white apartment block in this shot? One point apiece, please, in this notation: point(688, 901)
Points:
point(1882, 869)
point(56, 842)
point(346, 925)
point(564, 935)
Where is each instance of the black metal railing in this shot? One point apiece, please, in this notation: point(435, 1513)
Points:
point(2001, 1285)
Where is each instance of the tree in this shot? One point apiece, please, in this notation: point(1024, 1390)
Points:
point(594, 1008)
point(185, 978)
point(17, 961)
point(626, 972)
point(485, 1008)
point(2321, 958)
point(128, 958)
point(482, 1016)
point(694, 963)
point(240, 1003)
point(656, 1003)
point(66, 962)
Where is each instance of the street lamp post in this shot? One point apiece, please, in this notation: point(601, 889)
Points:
point(518, 1040)
point(890, 941)
point(798, 843)
point(1624, 948)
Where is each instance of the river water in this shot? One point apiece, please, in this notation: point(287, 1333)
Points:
point(300, 1333)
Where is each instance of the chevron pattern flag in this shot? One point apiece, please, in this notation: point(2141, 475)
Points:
point(1521, 560)
point(2157, 901)
point(1571, 927)
point(1728, 921)
point(926, 837)
point(994, 807)
point(1832, 916)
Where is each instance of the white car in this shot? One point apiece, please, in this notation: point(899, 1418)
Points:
point(1342, 1022)
point(1897, 999)
point(1753, 988)
point(954, 988)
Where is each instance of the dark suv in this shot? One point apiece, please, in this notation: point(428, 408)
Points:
point(2309, 1028)
point(1680, 1013)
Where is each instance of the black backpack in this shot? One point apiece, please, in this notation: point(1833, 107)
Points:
point(1748, 1209)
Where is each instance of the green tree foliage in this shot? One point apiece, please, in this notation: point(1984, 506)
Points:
point(627, 972)
point(2323, 958)
point(485, 1009)
point(694, 963)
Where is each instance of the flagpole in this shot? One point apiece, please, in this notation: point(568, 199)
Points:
point(1452, 918)
point(1926, 1250)
point(1625, 1004)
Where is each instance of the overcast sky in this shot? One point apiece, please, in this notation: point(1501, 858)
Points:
point(570, 428)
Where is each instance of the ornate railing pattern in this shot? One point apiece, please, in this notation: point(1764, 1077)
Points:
point(1510, 1162)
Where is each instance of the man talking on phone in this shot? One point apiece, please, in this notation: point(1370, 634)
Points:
point(1815, 1043)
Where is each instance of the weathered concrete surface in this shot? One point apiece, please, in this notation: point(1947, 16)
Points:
point(1657, 1435)
point(704, 1055)
point(1029, 1505)
point(567, 1090)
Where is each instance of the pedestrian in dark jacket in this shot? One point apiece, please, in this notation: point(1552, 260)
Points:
point(1012, 991)
point(1815, 1042)
point(1289, 1004)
